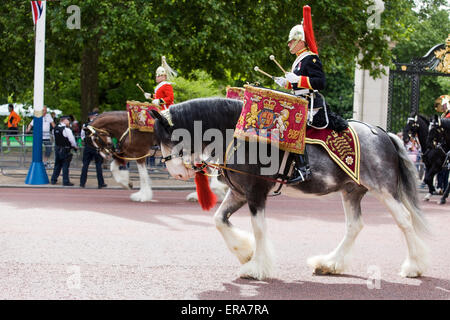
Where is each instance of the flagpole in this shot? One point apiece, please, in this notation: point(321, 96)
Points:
point(36, 173)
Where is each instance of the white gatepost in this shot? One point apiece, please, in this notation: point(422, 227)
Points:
point(370, 101)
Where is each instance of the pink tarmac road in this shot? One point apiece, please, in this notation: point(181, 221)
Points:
point(97, 244)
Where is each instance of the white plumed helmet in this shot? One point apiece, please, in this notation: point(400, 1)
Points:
point(165, 69)
point(160, 71)
point(297, 33)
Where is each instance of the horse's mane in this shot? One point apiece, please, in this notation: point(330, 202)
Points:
point(214, 113)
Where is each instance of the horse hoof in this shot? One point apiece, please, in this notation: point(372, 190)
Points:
point(323, 265)
point(141, 197)
point(257, 271)
point(411, 269)
point(427, 197)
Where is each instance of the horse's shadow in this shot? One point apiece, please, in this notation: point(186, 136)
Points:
point(275, 289)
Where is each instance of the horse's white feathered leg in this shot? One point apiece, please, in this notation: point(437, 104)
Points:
point(240, 242)
point(121, 176)
point(417, 259)
point(261, 265)
point(336, 261)
point(145, 192)
point(220, 189)
point(193, 197)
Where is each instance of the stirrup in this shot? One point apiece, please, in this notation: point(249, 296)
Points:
point(300, 175)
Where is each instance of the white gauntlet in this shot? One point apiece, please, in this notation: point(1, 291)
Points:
point(292, 77)
point(147, 95)
point(156, 101)
point(280, 81)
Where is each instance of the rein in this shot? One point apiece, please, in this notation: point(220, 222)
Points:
point(222, 167)
point(94, 132)
point(205, 164)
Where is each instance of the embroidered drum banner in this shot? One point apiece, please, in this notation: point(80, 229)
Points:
point(273, 116)
point(139, 116)
point(235, 93)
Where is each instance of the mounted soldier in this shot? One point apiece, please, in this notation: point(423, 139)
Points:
point(305, 79)
point(163, 95)
point(442, 105)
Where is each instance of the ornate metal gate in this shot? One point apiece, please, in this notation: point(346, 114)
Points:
point(404, 83)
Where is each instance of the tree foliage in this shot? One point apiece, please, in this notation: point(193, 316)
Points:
point(121, 43)
point(431, 28)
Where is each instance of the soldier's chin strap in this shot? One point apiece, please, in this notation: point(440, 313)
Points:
point(312, 113)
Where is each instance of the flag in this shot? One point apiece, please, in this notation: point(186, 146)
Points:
point(36, 8)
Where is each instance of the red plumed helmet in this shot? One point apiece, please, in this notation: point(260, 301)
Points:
point(308, 29)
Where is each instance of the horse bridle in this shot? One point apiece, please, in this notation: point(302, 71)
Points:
point(199, 167)
point(413, 133)
point(99, 144)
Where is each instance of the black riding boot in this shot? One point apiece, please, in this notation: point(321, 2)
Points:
point(302, 172)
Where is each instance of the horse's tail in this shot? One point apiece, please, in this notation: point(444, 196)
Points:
point(407, 188)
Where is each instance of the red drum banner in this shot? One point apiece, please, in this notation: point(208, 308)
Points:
point(273, 117)
point(235, 93)
point(139, 116)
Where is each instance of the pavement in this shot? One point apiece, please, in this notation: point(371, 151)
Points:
point(97, 244)
point(72, 243)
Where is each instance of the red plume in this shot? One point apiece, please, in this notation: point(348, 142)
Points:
point(206, 197)
point(308, 28)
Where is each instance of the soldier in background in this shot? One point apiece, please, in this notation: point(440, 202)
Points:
point(163, 96)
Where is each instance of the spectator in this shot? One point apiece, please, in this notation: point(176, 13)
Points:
point(413, 150)
point(442, 181)
point(64, 143)
point(53, 115)
point(75, 126)
point(90, 153)
point(47, 125)
point(13, 126)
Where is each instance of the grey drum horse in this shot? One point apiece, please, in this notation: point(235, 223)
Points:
point(385, 170)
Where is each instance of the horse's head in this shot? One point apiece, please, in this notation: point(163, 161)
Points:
point(411, 129)
point(101, 140)
point(172, 151)
point(435, 133)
